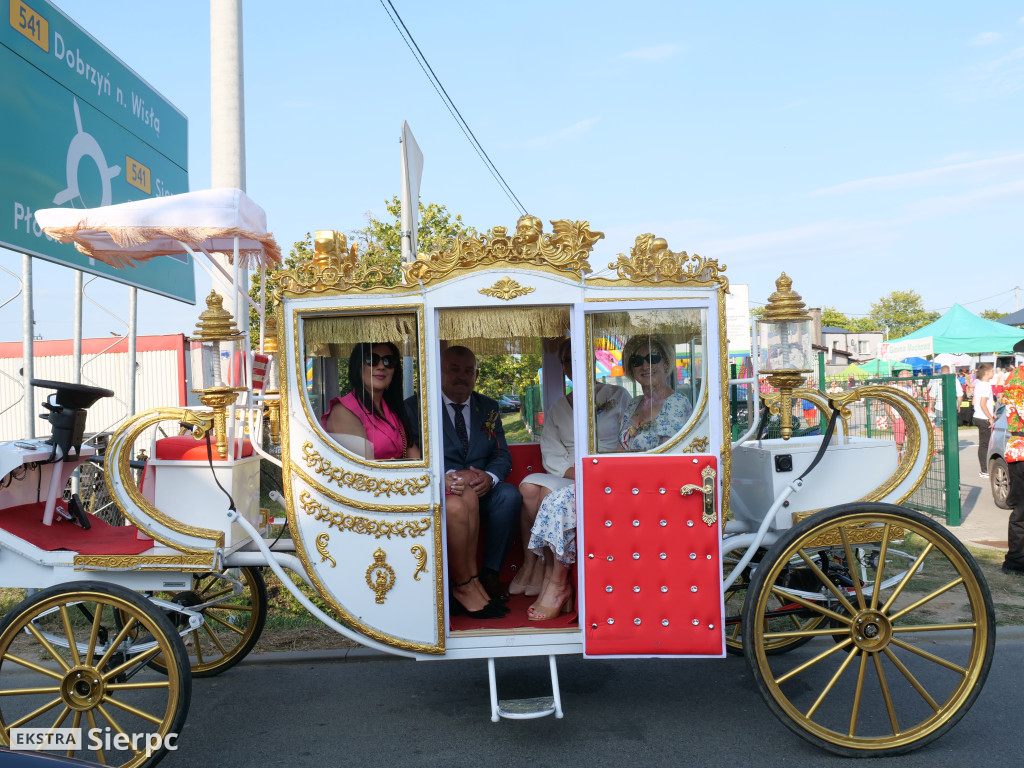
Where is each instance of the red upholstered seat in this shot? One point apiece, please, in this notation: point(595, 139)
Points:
point(186, 448)
point(526, 459)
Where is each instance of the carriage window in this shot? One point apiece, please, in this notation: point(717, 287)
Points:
point(360, 371)
point(649, 374)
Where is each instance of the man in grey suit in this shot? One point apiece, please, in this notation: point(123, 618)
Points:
point(475, 450)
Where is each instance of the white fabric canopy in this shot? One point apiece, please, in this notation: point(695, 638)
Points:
point(124, 234)
point(953, 361)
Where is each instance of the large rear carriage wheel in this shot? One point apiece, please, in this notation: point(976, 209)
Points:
point(68, 660)
point(234, 609)
point(906, 635)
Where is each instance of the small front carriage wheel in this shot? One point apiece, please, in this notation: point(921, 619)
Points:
point(909, 637)
point(75, 656)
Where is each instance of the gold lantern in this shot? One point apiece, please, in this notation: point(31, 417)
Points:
point(218, 369)
point(785, 330)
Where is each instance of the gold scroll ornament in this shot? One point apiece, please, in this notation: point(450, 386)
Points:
point(421, 561)
point(321, 547)
point(506, 289)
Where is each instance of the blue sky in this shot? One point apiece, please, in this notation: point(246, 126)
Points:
point(862, 148)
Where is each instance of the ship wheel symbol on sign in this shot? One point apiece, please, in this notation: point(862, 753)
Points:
point(84, 145)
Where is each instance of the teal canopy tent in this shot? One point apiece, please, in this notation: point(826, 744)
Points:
point(962, 332)
point(879, 367)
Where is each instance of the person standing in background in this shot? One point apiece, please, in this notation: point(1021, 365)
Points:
point(984, 413)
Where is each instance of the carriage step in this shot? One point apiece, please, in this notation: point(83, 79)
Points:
point(525, 709)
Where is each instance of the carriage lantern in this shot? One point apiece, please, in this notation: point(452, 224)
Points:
point(218, 374)
point(785, 331)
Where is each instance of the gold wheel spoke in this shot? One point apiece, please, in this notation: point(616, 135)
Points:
point(129, 625)
point(857, 693)
point(911, 679)
point(855, 578)
point(827, 582)
point(100, 757)
point(918, 603)
point(216, 640)
point(138, 660)
point(217, 595)
point(907, 577)
point(33, 715)
point(61, 717)
point(138, 686)
point(72, 647)
point(812, 605)
point(95, 632)
point(831, 683)
point(811, 662)
point(229, 608)
point(132, 710)
point(33, 666)
point(935, 627)
point(199, 645)
point(929, 656)
point(46, 644)
point(76, 722)
point(28, 691)
point(219, 620)
point(882, 552)
point(893, 722)
point(806, 633)
point(114, 724)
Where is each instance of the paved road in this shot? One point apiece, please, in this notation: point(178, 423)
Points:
point(982, 522)
point(313, 714)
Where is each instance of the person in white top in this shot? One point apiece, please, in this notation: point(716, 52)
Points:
point(984, 413)
point(935, 396)
point(558, 453)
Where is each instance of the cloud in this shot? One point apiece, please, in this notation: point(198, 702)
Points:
point(944, 174)
point(653, 53)
point(941, 205)
point(986, 38)
point(575, 129)
point(994, 77)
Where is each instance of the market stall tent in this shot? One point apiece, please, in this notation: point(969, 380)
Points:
point(962, 332)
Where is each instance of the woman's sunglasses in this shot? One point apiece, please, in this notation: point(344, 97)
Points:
point(373, 360)
point(635, 361)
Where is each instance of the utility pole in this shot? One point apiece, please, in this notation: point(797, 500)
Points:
point(227, 121)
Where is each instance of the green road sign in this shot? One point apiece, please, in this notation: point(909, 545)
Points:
point(79, 129)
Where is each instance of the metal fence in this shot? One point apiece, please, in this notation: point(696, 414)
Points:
point(939, 493)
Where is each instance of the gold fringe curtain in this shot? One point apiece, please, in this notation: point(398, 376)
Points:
point(503, 331)
point(335, 336)
point(675, 325)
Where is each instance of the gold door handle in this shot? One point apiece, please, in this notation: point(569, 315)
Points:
point(708, 491)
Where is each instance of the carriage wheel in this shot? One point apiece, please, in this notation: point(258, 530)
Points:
point(231, 626)
point(66, 661)
point(780, 615)
point(909, 637)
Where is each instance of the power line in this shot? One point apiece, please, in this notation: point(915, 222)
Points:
point(410, 42)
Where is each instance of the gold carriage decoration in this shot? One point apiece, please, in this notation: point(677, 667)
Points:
point(337, 267)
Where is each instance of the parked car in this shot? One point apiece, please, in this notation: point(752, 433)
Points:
point(998, 476)
point(508, 403)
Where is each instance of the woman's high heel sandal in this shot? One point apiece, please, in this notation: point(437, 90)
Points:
point(493, 609)
point(538, 612)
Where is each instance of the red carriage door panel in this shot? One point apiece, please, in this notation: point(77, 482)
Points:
point(651, 556)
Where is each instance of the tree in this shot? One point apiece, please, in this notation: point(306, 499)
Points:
point(992, 314)
point(499, 374)
point(381, 241)
point(833, 318)
point(900, 313)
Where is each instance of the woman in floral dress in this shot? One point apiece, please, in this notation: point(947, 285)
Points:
point(648, 421)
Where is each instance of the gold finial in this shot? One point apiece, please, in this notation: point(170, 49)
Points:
point(785, 305)
point(215, 322)
point(270, 335)
point(328, 247)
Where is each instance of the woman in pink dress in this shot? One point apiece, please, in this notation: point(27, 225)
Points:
point(371, 422)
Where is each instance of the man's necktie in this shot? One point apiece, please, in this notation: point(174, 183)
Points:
point(460, 426)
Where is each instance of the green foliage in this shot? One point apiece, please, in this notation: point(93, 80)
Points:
point(992, 314)
point(380, 242)
point(833, 318)
point(501, 374)
point(901, 312)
